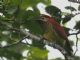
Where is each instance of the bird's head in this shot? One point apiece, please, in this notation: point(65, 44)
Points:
point(44, 18)
point(48, 19)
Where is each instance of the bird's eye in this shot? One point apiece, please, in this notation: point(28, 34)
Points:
point(42, 18)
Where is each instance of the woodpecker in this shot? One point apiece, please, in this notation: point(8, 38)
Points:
point(54, 32)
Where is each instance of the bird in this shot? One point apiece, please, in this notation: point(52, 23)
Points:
point(54, 32)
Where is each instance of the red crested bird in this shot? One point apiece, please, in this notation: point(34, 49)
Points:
point(54, 32)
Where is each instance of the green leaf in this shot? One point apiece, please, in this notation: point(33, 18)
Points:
point(37, 54)
point(13, 52)
point(34, 27)
point(67, 18)
point(27, 3)
point(24, 3)
point(79, 7)
point(70, 8)
point(77, 25)
point(39, 44)
point(12, 10)
point(54, 12)
point(31, 22)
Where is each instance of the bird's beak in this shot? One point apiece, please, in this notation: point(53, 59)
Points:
point(35, 18)
point(39, 18)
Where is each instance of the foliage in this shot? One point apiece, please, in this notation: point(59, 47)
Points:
point(70, 8)
point(77, 25)
point(54, 11)
point(79, 7)
point(14, 16)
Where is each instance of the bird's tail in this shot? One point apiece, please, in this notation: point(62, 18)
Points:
point(69, 51)
point(68, 48)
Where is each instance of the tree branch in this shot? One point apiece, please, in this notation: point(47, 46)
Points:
point(34, 37)
point(54, 45)
point(75, 33)
point(76, 40)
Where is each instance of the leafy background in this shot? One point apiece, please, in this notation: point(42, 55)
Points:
point(15, 15)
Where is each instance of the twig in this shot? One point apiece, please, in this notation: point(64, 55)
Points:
point(9, 45)
point(76, 41)
point(76, 45)
point(75, 33)
point(30, 35)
